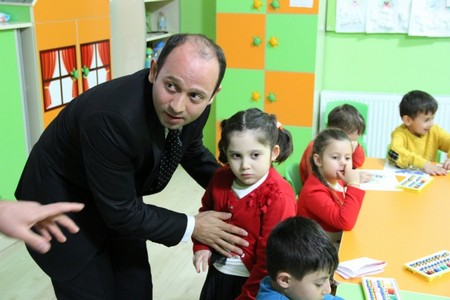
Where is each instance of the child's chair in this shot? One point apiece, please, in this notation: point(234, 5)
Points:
point(361, 107)
point(292, 176)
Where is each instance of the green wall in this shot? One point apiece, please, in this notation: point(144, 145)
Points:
point(387, 63)
point(13, 148)
point(199, 16)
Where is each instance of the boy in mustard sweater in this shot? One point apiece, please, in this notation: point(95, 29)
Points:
point(416, 142)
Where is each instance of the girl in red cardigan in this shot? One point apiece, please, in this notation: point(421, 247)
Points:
point(256, 195)
point(331, 195)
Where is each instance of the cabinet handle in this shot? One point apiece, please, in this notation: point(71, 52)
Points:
point(256, 96)
point(256, 41)
point(275, 4)
point(273, 41)
point(257, 4)
point(272, 97)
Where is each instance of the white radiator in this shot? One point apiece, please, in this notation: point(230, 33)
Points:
point(383, 116)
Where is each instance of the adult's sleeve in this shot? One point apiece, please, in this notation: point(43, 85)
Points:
point(109, 146)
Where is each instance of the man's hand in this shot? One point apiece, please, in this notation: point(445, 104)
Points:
point(211, 230)
point(17, 219)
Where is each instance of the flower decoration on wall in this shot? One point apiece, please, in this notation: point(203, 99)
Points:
point(257, 4)
point(272, 97)
point(275, 4)
point(256, 41)
point(255, 96)
point(273, 41)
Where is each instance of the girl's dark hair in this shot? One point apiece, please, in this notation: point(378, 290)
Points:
point(323, 139)
point(416, 102)
point(266, 124)
point(206, 47)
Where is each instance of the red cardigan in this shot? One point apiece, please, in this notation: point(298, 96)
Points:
point(257, 213)
point(305, 170)
point(333, 210)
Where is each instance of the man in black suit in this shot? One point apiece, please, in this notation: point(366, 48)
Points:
point(104, 149)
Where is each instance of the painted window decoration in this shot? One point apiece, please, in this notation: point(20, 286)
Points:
point(95, 63)
point(59, 76)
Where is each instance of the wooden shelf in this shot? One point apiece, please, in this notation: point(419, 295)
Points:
point(14, 25)
point(170, 9)
point(157, 36)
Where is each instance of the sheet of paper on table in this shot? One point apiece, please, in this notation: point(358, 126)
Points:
point(380, 180)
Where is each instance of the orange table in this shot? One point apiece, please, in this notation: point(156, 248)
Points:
point(399, 227)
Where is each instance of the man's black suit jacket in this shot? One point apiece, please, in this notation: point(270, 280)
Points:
point(104, 149)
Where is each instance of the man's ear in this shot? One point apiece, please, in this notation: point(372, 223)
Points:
point(153, 71)
point(317, 160)
point(215, 94)
point(283, 279)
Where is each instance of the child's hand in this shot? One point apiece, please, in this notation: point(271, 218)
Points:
point(434, 169)
point(350, 175)
point(201, 260)
point(364, 176)
point(446, 164)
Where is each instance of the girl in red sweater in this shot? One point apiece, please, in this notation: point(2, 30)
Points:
point(256, 195)
point(331, 195)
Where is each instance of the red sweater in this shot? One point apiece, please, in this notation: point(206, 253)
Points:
point(305, 170)
point(257, 213)
point(333, 210)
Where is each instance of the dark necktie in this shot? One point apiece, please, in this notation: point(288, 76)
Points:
point(170, 158)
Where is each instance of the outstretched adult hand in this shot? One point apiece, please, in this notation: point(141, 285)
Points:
point(17, 219)
point(210, 229)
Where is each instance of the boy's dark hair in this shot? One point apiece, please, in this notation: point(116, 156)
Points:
point(206, 48)
point(299, 246)
point(271, 133)
point(416, 102)
point(347, 118)
point(322, 140)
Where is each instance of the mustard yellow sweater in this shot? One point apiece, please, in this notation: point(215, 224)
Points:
point(408, 150)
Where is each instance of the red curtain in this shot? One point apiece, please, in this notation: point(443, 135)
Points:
point(69, 59)
point(103, 49)
point(87, 52)
point(48, 62)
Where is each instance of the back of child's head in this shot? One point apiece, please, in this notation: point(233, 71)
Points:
point(347, 118)
point(299, 246)
point(321, 142)
point(270, 132)
point(417, 102)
